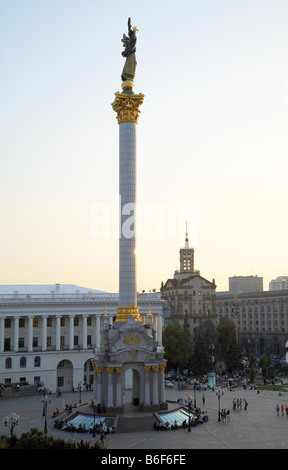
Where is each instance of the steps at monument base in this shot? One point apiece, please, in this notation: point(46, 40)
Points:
point(22, 391)
point(135, 423)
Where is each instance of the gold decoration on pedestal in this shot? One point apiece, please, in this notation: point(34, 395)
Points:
point(132, 339)
point(124, 313)
point(127, 107)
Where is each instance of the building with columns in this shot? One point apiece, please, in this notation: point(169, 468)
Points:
point(261, 320)
point(48, 333)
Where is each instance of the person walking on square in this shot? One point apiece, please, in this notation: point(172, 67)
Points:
point(277, 409)
point(282, 410)
point(228, 415)
point(246, 404)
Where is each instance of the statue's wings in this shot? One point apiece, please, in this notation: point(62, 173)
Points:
point(125, 39)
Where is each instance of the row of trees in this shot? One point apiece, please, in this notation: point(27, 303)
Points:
point(212, 347)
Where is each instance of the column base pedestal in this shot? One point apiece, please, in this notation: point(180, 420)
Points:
point(154, 408)
point(124, 313)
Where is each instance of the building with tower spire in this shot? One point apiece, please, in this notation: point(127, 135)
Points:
point(189, 297)
point(186, 259)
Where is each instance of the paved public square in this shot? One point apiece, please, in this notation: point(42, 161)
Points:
point(257, 428)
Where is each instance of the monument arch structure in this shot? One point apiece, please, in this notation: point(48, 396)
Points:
point(130, 345)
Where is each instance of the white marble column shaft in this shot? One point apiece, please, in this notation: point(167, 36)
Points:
point(127, 238)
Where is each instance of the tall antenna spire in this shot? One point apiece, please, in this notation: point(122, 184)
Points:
point(186, 237)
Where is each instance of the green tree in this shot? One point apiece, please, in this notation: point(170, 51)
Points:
point(228, 349)
point(176, 341)
point(205, 340)
point(265, 362)
point(252, 365)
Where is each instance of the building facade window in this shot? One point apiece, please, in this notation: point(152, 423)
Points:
point(37, 361)
point(23, 362)
point(8, 363)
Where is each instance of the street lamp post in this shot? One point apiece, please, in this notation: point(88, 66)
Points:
point(219, 393)
point(235, 314)
point(11, 421)
point(45, 401)
point(94, 412)
point(79, 385)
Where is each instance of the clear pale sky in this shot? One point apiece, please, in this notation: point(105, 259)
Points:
point(211, 140)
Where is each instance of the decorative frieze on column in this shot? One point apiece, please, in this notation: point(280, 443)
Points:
point(124, 313)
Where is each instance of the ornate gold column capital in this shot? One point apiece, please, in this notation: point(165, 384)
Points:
point(127, 107)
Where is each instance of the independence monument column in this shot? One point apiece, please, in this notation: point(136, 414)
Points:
point(127, 105)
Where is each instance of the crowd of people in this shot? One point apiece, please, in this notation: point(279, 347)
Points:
point(99, 428)
point(239, 403)
point(68, 408)
point(196, 416)
point(283, 408)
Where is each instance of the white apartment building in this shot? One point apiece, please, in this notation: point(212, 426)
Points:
point(48, 333)
point(280, 283)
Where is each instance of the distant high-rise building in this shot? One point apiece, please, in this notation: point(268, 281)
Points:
point(245, 284)
point(280, 283)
